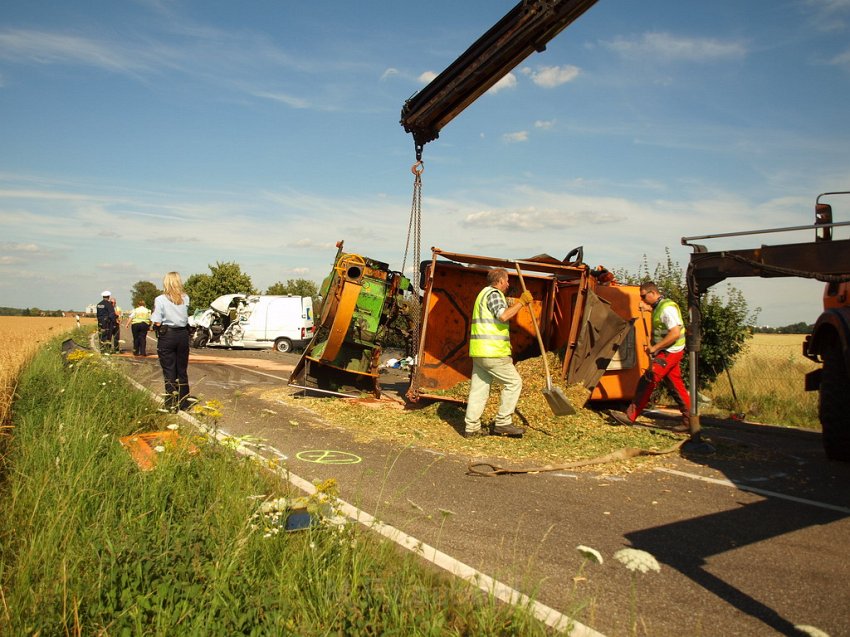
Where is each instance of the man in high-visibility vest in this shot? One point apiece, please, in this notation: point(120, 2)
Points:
point(490, 350)
point(139, 322)
point(666, 353)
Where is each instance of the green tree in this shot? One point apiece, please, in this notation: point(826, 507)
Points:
point(726, 322)
point(144, 291)
point(224, 278)
point(295, 287)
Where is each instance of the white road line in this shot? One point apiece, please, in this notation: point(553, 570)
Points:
point(489, 585)
point(248, 369)
point(745, 487)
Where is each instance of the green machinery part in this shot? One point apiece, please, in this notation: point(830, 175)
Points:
point(360, 298)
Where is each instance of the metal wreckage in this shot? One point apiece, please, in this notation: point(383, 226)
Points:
point(595, 325)
point(582, 313)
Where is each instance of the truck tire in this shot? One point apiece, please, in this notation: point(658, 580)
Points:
point(834, 407)
point(283, 345)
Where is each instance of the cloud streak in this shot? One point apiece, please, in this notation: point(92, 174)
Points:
point(672, 48)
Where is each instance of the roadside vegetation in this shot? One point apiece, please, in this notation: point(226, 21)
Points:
point(90, 544)
point(766, 384)
point(23, 336)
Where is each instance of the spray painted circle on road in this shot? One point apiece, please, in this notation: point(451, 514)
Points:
point(328, 456)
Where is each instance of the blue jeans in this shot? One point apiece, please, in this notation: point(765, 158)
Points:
point(484, 372)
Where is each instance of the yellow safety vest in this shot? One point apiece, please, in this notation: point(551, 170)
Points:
point(488, 337)
point(659, 330)
point(141, 315)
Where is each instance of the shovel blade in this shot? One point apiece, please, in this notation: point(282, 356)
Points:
point(558, 402)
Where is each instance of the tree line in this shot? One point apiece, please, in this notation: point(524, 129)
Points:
point(32, 311)
point(223, 278)
point(794, 328)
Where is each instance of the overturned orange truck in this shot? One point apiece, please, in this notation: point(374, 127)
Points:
point(594, 324)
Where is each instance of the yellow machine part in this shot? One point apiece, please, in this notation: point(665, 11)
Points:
point(342, 319)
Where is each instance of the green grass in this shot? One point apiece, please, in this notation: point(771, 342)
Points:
point(89, 544)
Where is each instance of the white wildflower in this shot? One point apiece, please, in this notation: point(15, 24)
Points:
point(811, 631)
point(173, 426)
point(637, 560)
point(590, 553)
point(159, 448)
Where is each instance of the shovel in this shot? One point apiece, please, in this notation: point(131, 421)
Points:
point(558, 402)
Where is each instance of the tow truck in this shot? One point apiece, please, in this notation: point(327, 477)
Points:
point(527, 28)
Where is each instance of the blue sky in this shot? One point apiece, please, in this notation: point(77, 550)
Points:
point(145, 136)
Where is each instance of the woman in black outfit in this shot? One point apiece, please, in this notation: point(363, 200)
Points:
point(171, 319)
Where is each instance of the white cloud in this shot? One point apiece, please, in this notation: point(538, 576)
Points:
point(426, 77)
point(507, 82)
point(672, 48)
point(8, 246)
point(544, 124)
point(827, 14)
point(842, 60)
point(294, 102)
point(55, 48)
point(552, 76)
point(518, 136)
point(390, 72)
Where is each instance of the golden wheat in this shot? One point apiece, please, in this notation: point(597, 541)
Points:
point(768, 380)
point(23, 335)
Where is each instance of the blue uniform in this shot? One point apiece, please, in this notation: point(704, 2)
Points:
point(107, 323)
point(172, 347)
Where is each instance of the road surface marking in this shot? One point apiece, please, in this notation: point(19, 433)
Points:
point(489, 585)
point(328, 456)
point(745, 487)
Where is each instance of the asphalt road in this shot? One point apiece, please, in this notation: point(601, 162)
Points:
point(750, 546)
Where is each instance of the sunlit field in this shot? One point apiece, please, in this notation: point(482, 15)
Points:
point(23, 335)
point(768, 382)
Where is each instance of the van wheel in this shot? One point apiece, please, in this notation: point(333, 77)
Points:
point(283, 345)
point(200, 340)
point(834, 407)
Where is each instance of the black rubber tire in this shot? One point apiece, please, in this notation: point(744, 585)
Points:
point(200, 340)
point(283, 345)
point(834, 405)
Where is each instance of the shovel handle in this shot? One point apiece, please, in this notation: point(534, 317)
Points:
point(536, 331)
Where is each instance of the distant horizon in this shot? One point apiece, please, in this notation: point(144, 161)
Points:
point(41, 309)
point(145, 137)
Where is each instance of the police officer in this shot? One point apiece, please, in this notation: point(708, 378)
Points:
point(171, 318)
point(107, 322)
point(139, 322)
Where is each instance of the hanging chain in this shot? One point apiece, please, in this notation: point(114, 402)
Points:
point(414, 229)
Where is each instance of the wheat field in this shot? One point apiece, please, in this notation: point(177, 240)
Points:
point(768, 382)
point(24, 334)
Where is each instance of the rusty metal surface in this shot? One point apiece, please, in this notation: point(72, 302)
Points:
point(452, 282)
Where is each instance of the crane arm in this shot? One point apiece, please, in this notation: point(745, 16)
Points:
point(526, 28)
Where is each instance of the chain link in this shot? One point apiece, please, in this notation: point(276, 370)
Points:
point(414, 229)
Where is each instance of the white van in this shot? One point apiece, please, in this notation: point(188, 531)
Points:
point(254, 321)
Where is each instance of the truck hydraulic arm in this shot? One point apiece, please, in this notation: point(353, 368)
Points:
point(526, 28)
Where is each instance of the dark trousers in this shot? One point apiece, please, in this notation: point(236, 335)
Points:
point(173, 351)
point(140, 338)
point(107, 337)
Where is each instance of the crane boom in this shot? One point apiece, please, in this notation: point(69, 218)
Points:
point(526, 28)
